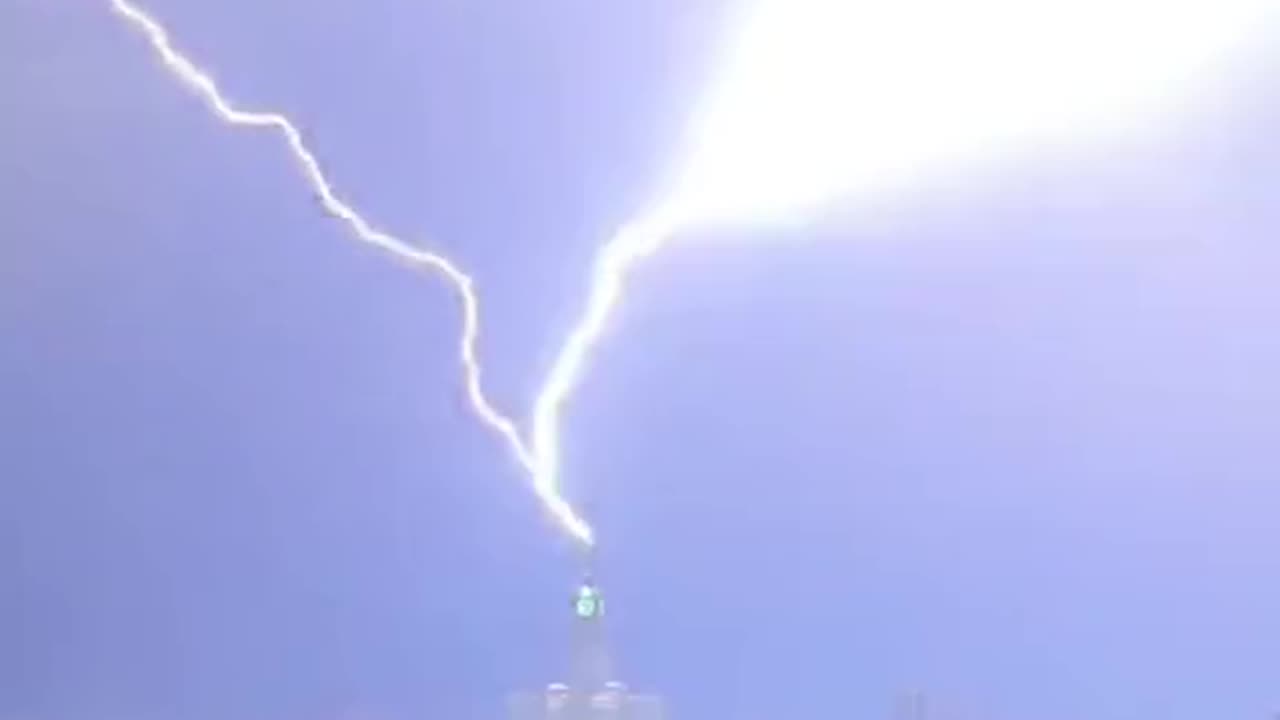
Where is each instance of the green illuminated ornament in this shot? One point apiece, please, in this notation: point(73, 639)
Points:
point(588, 604)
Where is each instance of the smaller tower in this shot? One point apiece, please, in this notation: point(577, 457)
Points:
point(912, 706)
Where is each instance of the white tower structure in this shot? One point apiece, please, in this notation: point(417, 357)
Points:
point(593, 692)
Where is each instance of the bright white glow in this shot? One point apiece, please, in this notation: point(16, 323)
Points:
point(824, 97)
point(820, 98)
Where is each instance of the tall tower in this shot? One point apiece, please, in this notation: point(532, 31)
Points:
point(593, 693)
point(591, 666)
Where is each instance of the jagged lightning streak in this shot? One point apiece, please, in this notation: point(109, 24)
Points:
point(203, 84)
point(632, 244)
point(824, 97)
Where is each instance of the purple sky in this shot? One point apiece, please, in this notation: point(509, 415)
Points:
point(1014, 442)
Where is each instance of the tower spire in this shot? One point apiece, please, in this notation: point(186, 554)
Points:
point(592, 666)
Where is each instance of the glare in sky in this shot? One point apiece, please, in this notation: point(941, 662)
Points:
point(820, 98)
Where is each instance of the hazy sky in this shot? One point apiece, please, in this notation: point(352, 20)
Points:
point(1014, 440)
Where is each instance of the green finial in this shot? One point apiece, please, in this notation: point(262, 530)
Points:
point(589, 603)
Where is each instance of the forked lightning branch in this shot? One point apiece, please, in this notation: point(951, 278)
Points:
point(819, 100)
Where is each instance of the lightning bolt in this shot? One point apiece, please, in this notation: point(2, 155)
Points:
point(806, 112)
point(632, 244)
point(204, 86)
